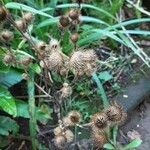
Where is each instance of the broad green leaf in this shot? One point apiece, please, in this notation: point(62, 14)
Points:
point(8, 125)
point(133, 144)
point(109, 146)
point(43, 114)
point(22, 109)
point(14, 5)
point(7, 102)
point(13, 76)
point(105, 76)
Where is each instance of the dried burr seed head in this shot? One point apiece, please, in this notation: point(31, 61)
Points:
point(69, 135)
point(74, 37)
point(6, 35)
point(66, 90)
point(54, 61)
point(60, 141)
point(63, 71)
point(41, 45)
point(74, 14)
point(54, 44)
point(58, 131)
point(90, 55)
point(75, 22)
point(28, 17)
point(8, 58)
point(3, 13)
point(26, 61)
point(99, 139)
point(83, 62)
point(99, 121)
point(64, 21)
point(74, 116)
point(21, 25)
point(67, 122)
point(76, 61)
point(116, 113)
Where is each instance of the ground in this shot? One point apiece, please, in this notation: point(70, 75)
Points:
point(140, 121)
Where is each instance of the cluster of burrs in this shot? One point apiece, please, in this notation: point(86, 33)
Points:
point(102, 121)
point(63, 135)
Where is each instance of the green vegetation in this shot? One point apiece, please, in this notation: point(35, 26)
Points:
point(67, 60)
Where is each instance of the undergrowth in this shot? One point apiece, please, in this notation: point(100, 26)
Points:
point(68, 58)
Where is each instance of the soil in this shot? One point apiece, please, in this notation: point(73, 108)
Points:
point(140, 122)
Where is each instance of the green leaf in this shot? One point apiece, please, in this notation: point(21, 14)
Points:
point(105, 76)
point(44, 113)
point(92, 20)
point(36, 68)
point(109, 146)
point(100, 90)
point(7, 102)
point(86, 6)
point(14, 5)
point(3, 67)
point(8, 125)
point(47, 22)
point(134, 144)
point(22, 109)
point(10, 78)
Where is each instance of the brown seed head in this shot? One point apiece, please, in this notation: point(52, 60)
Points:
point(75, 22)
point(99, 139)
point(66, 90)
point(54, 44)
point(63, 71)
point(99, 120)
point(74, 37)
point(6, 36)
point(21, 25)
point(74, 116)
point(26, 61)
point(28, 17)
point(3, 13)
point(60, 141)
point(54, 61)
point(64, 21)
point(116, 113)
point(8, 58)
point(41, 45)
point(69, 135)
point(58, 131)
point(74, 14)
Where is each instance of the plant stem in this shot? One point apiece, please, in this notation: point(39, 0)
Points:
point(31, 101)
point(100, 90)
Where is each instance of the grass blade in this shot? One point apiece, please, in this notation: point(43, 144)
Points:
point(86, 6)
point(101, 90)
point(14, 5)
